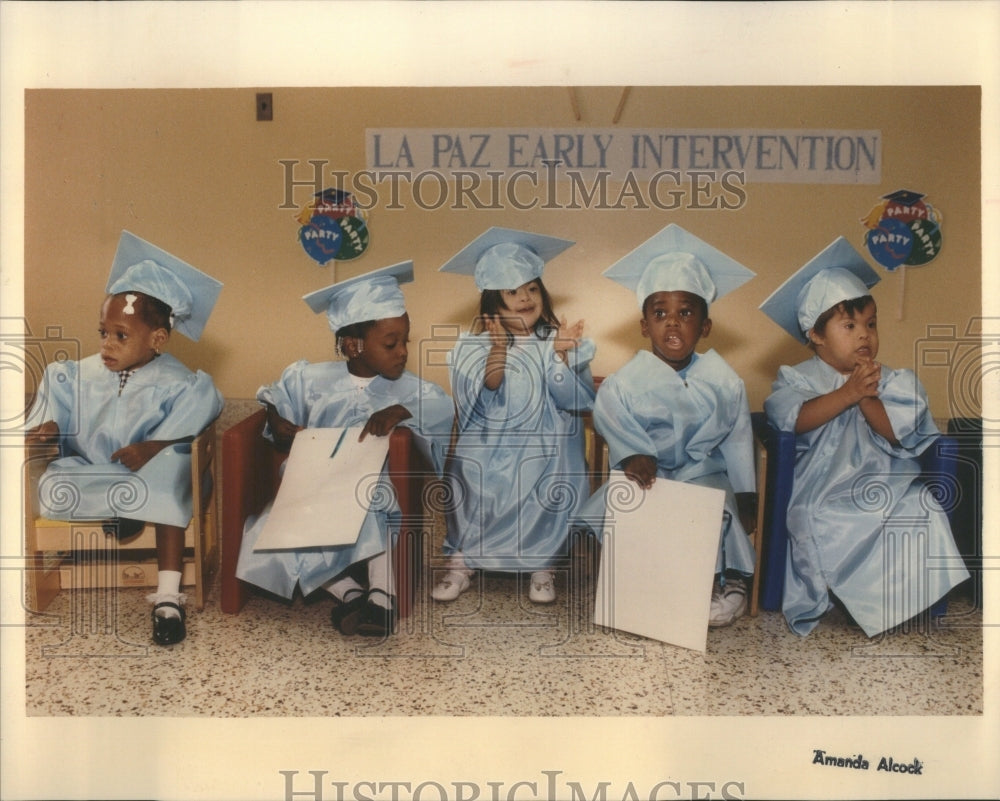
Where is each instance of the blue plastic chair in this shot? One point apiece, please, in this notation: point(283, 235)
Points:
point(938, 464)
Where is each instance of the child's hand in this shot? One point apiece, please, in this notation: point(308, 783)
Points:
point(283, 431)
point(46, 432)
point(568, 336)
point(383, 421)
point(497, 331)
point(641, 469)
point(863, 380)
point(136, 455)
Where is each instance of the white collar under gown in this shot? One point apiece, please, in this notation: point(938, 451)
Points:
point(861, 525)
point(518, 473)
point(323, 395)
point(696, 422)
point(162, 400)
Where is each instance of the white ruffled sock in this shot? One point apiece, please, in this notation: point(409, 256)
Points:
point(380, 578)
point(342, 587)
point(168, 588)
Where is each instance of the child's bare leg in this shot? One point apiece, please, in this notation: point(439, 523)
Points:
point(169, 548)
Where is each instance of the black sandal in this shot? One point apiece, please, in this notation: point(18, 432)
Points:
point(168, 630)
point(377, 620)
point(346, 615)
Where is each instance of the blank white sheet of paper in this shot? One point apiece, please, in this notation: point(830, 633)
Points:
point(330, 482)
point(658, 560)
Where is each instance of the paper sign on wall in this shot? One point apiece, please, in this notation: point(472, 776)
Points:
point(330, 482)
point(658, 561)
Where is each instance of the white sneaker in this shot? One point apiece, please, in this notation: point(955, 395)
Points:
point(453, 584)
point(542, 589)
point(729, 603)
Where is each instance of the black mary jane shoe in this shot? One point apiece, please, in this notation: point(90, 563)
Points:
point(168, 630)
point(346, 615)
point(121, 528)
point(377, 620)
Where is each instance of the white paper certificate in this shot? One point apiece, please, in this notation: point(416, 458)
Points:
point(330, 482)
point(658, 560)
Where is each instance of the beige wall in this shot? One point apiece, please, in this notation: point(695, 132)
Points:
point(194, 172)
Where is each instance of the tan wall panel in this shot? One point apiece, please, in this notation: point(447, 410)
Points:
point(194, 172)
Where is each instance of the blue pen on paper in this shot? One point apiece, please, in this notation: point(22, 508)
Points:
point(340, 441)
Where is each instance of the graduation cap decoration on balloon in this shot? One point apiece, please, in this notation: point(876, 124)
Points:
point(333, 227)
point(904, 230)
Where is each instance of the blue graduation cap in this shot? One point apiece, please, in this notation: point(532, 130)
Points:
point(372, 296)
point(142, 267)
point(835, 274)
point(675, 260)
point(503, 258)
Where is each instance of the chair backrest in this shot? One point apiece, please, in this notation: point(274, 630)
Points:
point(202, 468)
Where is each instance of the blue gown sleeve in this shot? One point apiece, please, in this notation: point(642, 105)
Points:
point(737, 448)
point(433, 414)
point(570, 383)
point(287, 395)
point(191, 410)
point(905, 402)
point(56, 397)
point(614, 421)
point(467, 371)
point(788, 392)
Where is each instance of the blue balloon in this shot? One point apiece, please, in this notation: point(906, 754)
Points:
point(321, 238)
point(890, 244)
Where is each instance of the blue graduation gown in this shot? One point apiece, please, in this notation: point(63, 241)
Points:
point(860, 524)
point(518, 474)
point(696, 423)
point(162, 400)
point(323, 395)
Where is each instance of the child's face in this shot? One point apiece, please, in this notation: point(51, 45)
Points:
point(846, 340)
point(126, 341)
point(384, 349)
point(674, 322)
point(524, 308)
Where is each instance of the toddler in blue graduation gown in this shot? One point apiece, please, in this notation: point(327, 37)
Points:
point(677, 414)
point(858, 424)
point(124, 418)
point(520, 382)
point(371, 390)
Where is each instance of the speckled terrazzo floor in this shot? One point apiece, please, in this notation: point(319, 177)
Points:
point(489, 653)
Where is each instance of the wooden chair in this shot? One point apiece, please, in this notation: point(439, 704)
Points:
point(250, 478)
point(79, 555)
point(597, 457)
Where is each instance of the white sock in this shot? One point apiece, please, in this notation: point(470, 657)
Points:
point(380, 578)
point(456, 562)
point(341, 587)
point(168, 588)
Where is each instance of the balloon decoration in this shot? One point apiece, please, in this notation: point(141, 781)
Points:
point(333, 227)
point(903, 231)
